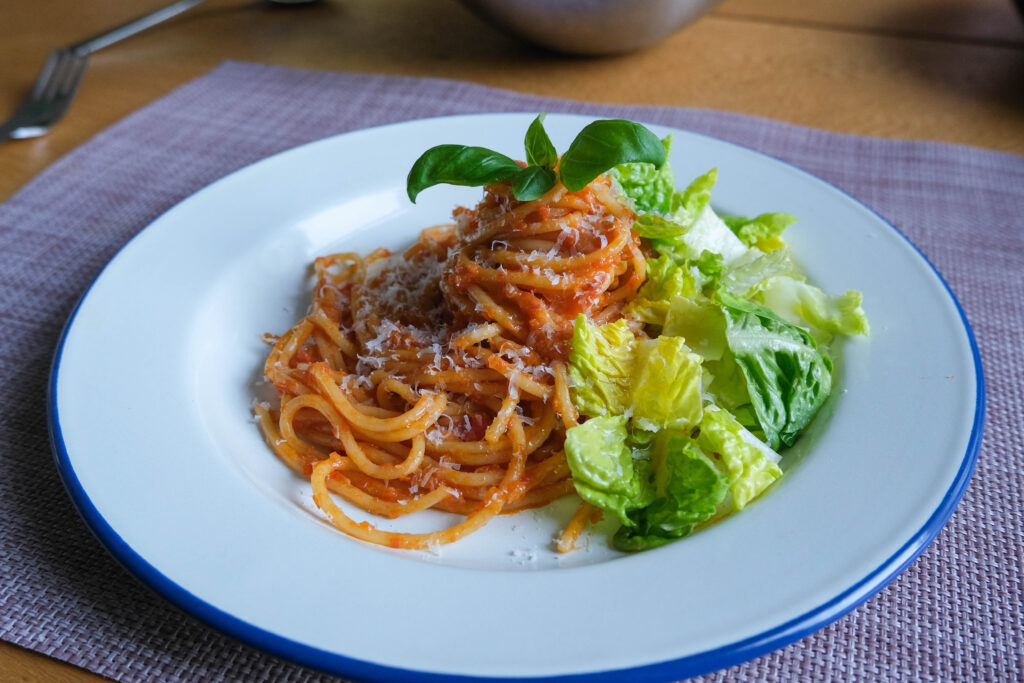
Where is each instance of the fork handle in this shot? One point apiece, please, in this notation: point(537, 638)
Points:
point(97, 42)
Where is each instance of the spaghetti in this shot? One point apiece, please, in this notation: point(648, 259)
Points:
point(436, 378)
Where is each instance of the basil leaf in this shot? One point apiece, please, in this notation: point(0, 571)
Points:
point(604, 144)
point(459, 165)
point(532, 182)
point(539, 150)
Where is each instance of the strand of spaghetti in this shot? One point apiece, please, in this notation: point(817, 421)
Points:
point(367, 466)
point(391, 491)
point(637, 277)
point(536, 497)
point(489, 229)
point(277, 368)
point(582, 201)
point(397, 386)
point(616, 244)
point(317, 436)
point(517, 464)
point(531, 305)
point(498, 313)
point(468, 386)
point(389, 367)
point(434, 241)
point(394, 436)
point(287, 422)
point(329, 352)
point(567, 542)
point(534, 492)
point(553, 468)
point(477, 453)
point(564, 219)
point(531, 244)
point(375, 411)
point(288, 344)
point(288, 455)
point(349, 263)
point(459, 478)
point(331, 329)
point(462, 375)
point(367, 532)
point(554, 282)
point(391, 509)
point(386, 399)
point(475, 335)
point(540, 496)
point(500, 423)
point(421, 415)
point(521, 380)
point(562, 401)
point(610, 313)
point(602, 191)
point(503, 346)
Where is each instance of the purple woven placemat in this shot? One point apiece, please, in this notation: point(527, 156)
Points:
point(957, 613)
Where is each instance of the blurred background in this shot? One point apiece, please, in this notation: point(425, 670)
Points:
point(950, 70)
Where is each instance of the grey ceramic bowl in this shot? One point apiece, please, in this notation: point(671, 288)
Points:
point(591, 27)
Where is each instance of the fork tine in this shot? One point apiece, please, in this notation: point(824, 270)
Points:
point(56, 75)
point(46, 74)
point(72, 75)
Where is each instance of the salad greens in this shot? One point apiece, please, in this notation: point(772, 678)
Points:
point(603, 359)
point(686, 420)
point(604, 471)
point(787, 376)
point(688, 488)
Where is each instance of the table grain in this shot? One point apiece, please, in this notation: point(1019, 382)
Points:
point(948, 70)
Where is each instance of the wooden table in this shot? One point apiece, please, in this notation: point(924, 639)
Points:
point(950, 70)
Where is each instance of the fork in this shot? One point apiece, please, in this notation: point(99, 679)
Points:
point(58, 81)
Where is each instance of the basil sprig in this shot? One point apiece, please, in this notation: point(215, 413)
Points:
point(601, 145)
point(539, 150)
point(458, 165)
point(532, 182)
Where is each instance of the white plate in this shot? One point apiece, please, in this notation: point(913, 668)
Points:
point(150, 418)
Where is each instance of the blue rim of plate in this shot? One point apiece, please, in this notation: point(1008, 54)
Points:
point(674, 669)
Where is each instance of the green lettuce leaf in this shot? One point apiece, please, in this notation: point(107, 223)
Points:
point(804, 304)
point(746, 416)
point(708, 269)
point(747, 274)
point(726, 384)
point(787, 377)
point(603, 469)
point(666, 385)
point(708, 233)
point(666, 278)
point(688, 487)
point(600, 363)
point(687, 205)
point(764, 231)
point(701, 324)
point(659, 229)
point(649, 187)
point(750, 464)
